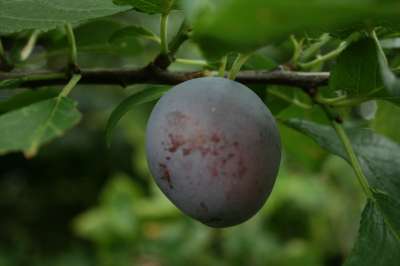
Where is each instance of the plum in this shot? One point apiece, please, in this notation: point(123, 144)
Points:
point(214, 150)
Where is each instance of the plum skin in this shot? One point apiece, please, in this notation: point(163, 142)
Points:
point(214, 150)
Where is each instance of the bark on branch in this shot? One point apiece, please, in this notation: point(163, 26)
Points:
point(155, 75)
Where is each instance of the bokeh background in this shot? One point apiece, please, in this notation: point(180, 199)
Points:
point(81, 203)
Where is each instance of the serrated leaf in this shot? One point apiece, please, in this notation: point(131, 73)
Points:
point(149, 6)
point(356, 72)
point(134, 32)
point(218, 28)
point(27, 128)
point(21, 15)
point(378, 157)
point(147, 95)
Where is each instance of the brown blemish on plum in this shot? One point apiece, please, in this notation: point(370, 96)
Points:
point(167, 158)
point(223, 152)
point(215, 137)
point(166, 175)
point(176, 141)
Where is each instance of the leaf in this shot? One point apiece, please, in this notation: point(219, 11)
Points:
point(21, 15)
point(27, 128)
point(376, 245)
point(379, 158)
point(134, 32)
point(26, 98)
point(218, 28)
point(147, 95)
point(356, 72)
point(390, 81)
point(94, 37)
point(149, 6)
point(260, 61)
point(387, 120)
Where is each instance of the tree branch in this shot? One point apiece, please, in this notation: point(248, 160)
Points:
point(155, 75)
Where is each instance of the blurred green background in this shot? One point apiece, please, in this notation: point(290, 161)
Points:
point(81, 203)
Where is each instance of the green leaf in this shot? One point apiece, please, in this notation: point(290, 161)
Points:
point(379, 158)
point(356, 72)
point(147, 95)
point(93, 37)
point(390, 81)
point(218, 28)
point(387, 120)
point(26, 98)
point(21, 15)
point(134, 32)
point(149, 6)
point(376, 244)
point(27, 128)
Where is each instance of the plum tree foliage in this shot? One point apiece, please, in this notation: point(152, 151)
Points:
point(323, 68)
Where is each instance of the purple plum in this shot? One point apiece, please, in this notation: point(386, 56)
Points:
point(214, 150)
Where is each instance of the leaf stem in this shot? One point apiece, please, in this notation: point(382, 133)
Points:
point(297, 47)
point(345, 101)
point(380, 48)
point(222, 68)
point(340, 131)
point(329, 101)
point(194, 62)
point(30, 45)
point(70, 85)
point(164, 33)
point(315, 47)
point(342, 46)
point(73, 53)
point(294, 101)
point(237, 65)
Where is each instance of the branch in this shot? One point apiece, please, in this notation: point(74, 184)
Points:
point(155, 75)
